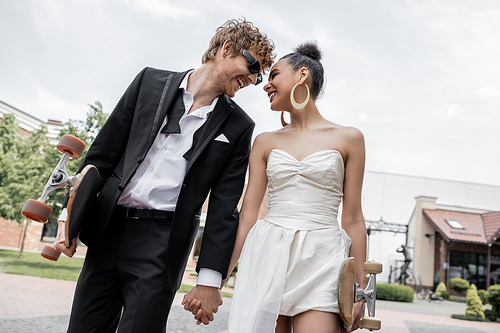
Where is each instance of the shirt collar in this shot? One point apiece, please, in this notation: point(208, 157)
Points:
point(184, 82)
point(203, 111)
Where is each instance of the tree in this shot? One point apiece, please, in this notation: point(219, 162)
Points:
point(26, 162)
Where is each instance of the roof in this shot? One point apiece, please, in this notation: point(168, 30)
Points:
point(477, 228)
point(492, 226)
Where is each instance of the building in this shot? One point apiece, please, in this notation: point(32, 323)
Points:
point(454, 242)
point(27, 123)
point(389, 200)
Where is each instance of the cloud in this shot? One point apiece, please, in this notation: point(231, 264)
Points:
point(488, 92)
point(450, 111)
point(363, 116)
point(164, 8)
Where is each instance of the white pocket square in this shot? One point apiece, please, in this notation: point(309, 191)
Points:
point(222, 138)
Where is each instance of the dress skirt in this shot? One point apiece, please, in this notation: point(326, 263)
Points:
point(285, 271)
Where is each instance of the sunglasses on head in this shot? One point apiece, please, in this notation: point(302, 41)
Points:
point(254, 66)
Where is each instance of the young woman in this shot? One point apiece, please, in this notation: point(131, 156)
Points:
point(290, 260)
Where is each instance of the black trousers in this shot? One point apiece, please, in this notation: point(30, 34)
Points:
point(121, 286)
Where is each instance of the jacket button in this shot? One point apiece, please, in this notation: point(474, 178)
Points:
point(120, 188)
point(139, 160)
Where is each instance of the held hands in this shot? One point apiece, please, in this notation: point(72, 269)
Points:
point(60, 241)
point(203, 302)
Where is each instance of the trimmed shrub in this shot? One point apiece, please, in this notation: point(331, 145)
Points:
point(474, 305)
point(440, 289)
point(494, 293)
point(459, 285)
point(484, 296)
point(395, 292)
point(490, 315)
point(466, 317)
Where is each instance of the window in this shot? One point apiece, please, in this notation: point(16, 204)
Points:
point(455, 224)
point(469, 266)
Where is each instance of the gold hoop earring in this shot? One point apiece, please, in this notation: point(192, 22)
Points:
point(296, 105)
point(283, 122)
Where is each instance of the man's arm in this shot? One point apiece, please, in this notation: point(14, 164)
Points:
point(222, 216)
point(221, 226)
point(105, 151)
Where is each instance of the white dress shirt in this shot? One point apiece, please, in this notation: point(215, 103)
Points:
point(158, 180)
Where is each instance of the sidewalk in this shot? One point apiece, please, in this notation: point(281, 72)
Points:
point(31, 304)
point(39, 305)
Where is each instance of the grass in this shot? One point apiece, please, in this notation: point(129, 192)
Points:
point(33, 264)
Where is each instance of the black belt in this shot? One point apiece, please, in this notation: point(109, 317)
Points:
point(148, 214)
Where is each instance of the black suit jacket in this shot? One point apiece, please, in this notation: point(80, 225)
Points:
point(214, 167)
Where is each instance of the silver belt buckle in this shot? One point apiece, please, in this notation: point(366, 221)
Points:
point(130, 217)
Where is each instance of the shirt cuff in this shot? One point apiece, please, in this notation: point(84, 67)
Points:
point(63, 216)
point(209, 277)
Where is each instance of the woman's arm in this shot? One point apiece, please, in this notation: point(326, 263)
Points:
point(353, 221)
point(256, 189)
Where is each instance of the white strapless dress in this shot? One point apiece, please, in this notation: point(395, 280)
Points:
point(291, 259)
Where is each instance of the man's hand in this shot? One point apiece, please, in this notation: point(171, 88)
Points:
point(60, 241)
point(358, 307)
point(203, 302)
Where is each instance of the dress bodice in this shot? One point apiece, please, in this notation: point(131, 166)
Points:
point(305, 194)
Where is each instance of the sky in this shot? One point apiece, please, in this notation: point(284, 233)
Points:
point(419, 78)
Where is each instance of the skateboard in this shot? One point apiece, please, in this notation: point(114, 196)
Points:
point(349, 293)
point(82, 188)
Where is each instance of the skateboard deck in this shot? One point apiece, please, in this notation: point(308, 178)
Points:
point(345, 288)
point(84, 190)
point(349, 293)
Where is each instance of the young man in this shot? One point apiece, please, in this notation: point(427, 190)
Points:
point(171, 139)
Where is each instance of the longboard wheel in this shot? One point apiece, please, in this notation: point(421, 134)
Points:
point(36, 210)
point(50, 253)
point(370, 323)
point(373, 267)
point(71, 144)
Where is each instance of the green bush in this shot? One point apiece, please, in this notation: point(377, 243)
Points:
point(474, 305)
point(494, 293)
point(459, 285)
point(440, 289)
point(490, 314)
point(445, 295)
point(395, 292)
point(466, 317)
point(484, 296)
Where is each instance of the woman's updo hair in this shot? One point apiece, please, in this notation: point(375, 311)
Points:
point(308, 55)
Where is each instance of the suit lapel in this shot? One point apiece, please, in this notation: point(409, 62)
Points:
point(170, 88)
point(221, 111)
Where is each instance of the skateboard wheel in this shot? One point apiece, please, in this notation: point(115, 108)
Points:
point(50, 253)
point(373, 267)
point(370, 323)
point(71, 144)
point(36, 210)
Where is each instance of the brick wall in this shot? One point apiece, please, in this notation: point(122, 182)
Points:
point(11, 236)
